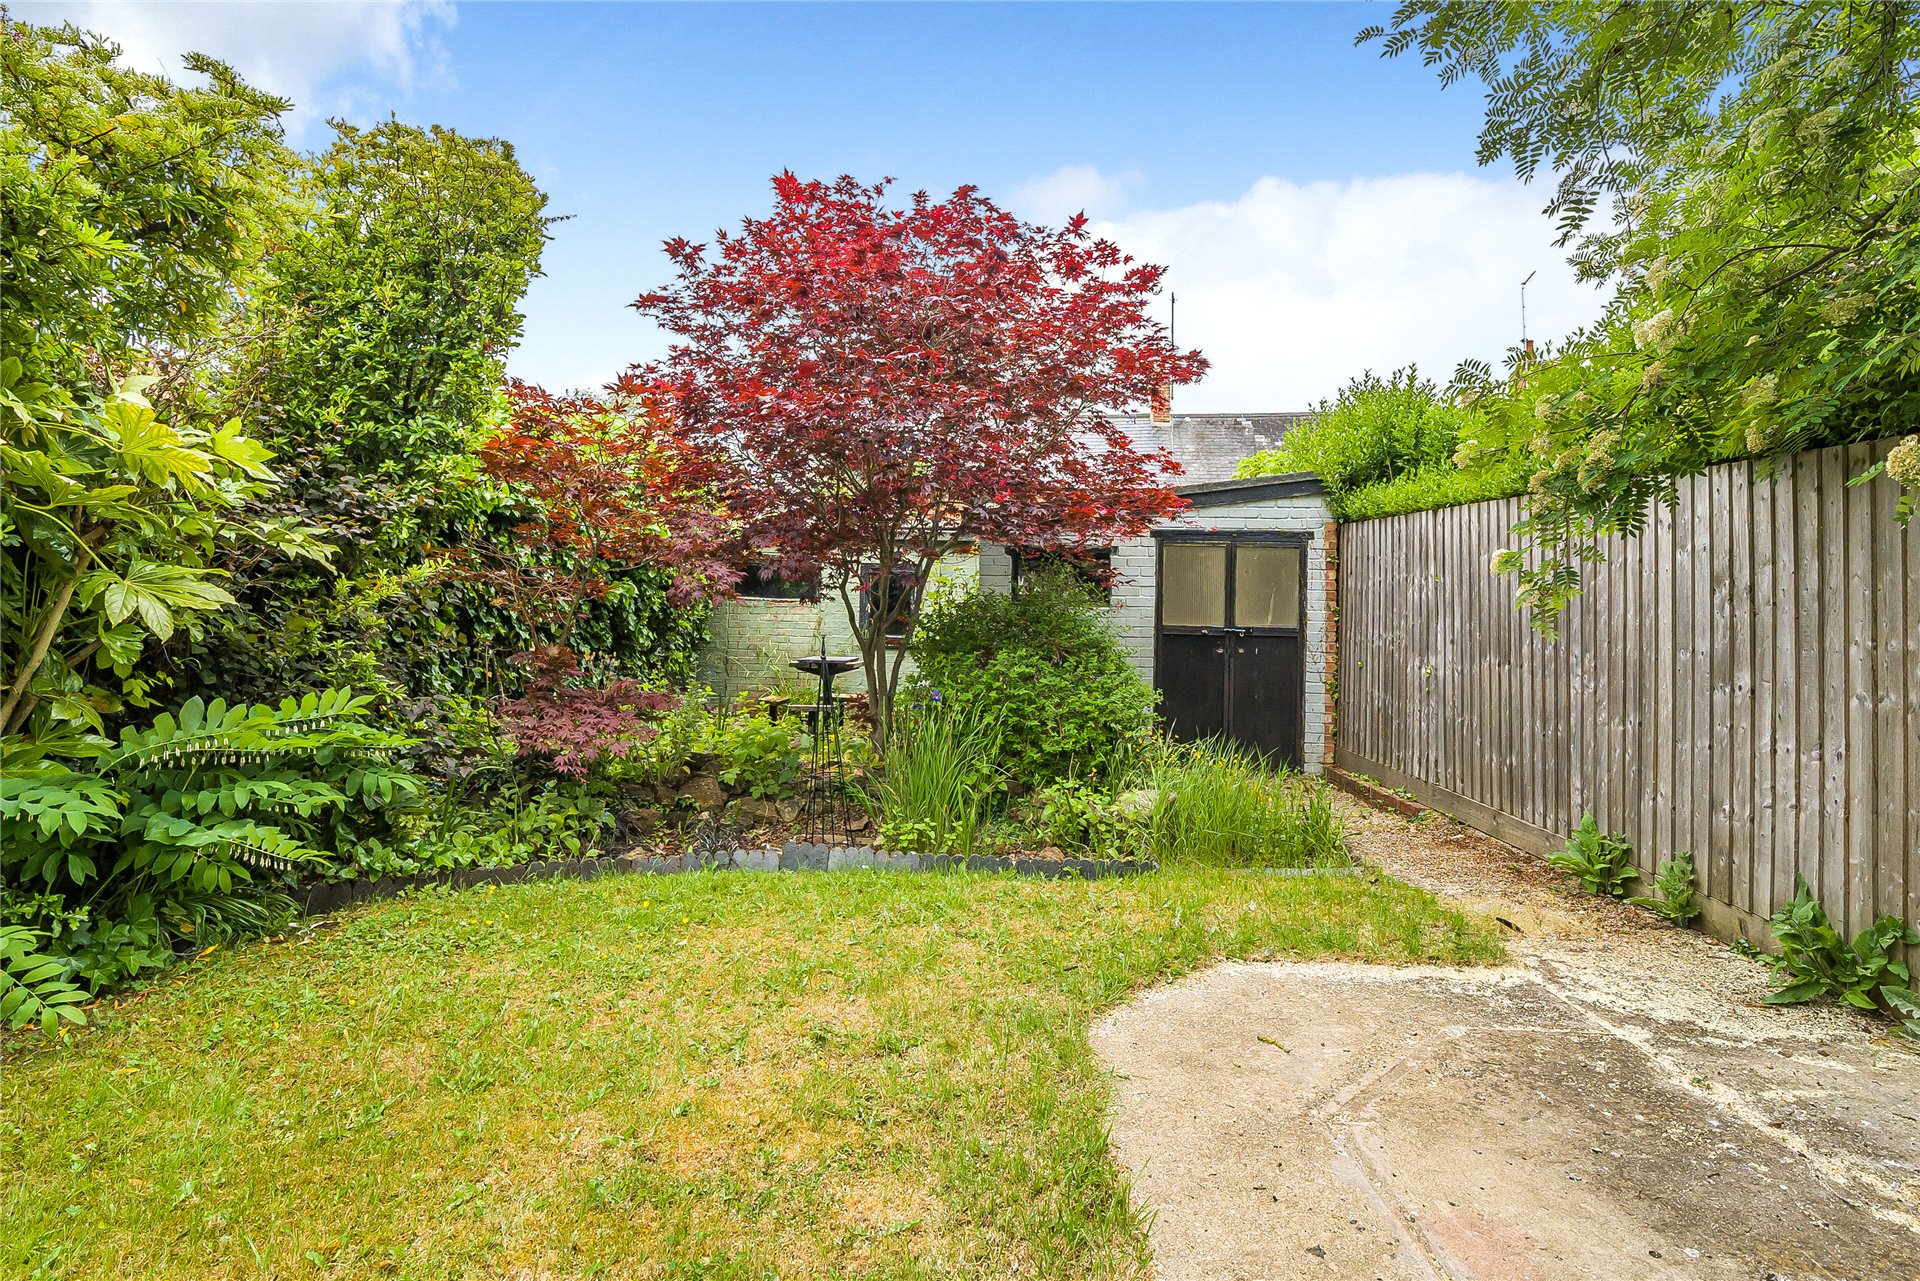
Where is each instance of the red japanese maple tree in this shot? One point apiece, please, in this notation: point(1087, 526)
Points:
point(571, 726)
point(892, 382)
point(619, 485)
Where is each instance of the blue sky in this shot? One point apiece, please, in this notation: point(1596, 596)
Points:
point(1319, 207)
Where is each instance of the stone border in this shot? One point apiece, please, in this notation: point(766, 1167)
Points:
point(800, 856)
point(330, 896)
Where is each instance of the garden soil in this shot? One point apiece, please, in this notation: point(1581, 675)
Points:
point(1613, 1104)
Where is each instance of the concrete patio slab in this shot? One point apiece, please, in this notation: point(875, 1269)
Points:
point(1614, 1105)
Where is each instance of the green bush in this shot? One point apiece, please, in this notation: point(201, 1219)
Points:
point(1678, 901)
point(1047, 662)
point(1075, 814)
point(754, 751)
point(745, 748)
point(1816, 960)
point(1213, 803)
point(1433, 487)
point(1393, 445)
point(509, 826)
point(174, 837)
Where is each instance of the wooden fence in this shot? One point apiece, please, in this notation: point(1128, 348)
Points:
point(1742, 681)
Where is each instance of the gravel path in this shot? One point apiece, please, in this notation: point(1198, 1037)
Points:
point(1613, 1103)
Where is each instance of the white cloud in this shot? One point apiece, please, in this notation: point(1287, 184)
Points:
point(329, 58)
point(1056, 197)
point(1292, 289)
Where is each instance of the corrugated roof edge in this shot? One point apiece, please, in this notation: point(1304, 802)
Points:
point(1219, 493)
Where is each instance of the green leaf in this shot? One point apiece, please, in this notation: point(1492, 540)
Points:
point(1795, 993)
point(33, 986)
point(1905, 1004)
point(151, 449)
point(233, 445)
point(36, 469)
point(120, 646)
point(153, 590)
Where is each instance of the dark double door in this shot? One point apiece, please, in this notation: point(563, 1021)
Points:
point(1230, 656)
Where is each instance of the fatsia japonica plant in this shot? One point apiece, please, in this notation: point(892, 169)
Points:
point(136, 210)
point(123, 853)
point(108, 520)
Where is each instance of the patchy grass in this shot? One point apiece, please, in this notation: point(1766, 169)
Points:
point(721, 1076)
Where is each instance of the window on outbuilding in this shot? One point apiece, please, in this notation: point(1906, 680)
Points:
point(899, 589)
point(759, 583)
point(1091, 566)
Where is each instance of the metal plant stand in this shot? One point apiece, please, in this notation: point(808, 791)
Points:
point(824, 819)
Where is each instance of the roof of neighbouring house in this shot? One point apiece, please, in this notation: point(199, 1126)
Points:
point(1210, 446)
point(1226, 493)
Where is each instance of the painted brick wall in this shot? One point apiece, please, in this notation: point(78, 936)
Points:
point(996, 568)
point(752, 640)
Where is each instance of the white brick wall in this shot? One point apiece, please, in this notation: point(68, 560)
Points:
point(753, 639)
point(1133, 590)
point(996, 568)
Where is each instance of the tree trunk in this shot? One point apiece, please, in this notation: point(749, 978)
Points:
point(878, 705)
point(14, 711)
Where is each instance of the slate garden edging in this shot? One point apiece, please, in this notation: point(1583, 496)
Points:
point(794, 856)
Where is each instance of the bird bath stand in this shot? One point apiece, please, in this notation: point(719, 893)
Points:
point(824, 820)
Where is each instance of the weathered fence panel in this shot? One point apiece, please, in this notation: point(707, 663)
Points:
point(1742, 681)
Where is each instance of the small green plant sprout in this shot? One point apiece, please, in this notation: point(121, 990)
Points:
point(1815, 961)
point(1904, 1003)
point(1677, 901)
point(1600, 861)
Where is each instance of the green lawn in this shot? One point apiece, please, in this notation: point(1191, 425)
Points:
point(720, 1075)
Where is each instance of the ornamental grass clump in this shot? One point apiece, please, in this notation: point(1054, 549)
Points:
point(1221, 806)
point(936, 775)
